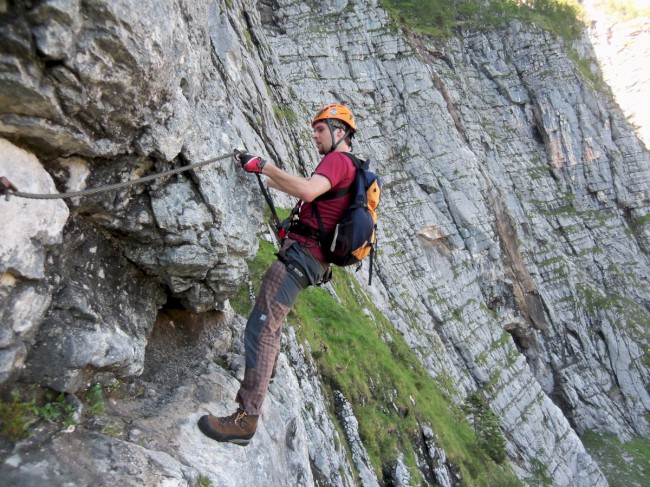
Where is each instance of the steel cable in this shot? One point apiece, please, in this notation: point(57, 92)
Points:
point(110, 187)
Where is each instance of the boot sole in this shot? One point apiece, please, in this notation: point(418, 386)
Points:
point(239, 442)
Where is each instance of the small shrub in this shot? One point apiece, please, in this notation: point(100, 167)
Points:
point(204, 482)
point(57, 408)
point(111, 430)
point(539, 474)
point(486, 426)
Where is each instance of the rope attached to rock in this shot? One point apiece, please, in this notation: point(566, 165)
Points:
point(111, 187)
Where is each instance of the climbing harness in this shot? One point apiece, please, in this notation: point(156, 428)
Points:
point(74, 194)
point(355, 235)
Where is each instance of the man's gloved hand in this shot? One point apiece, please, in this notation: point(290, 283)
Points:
point(249, 162)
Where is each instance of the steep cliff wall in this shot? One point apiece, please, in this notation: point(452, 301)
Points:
point(513, 252)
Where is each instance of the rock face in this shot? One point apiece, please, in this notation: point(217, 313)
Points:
point(514, 231)
point(25, 294)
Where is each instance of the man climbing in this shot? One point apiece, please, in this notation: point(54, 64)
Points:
point(300, 262)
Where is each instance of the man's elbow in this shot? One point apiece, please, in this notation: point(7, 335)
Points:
point(310, 194)
point(317, 186)
point(307, 196)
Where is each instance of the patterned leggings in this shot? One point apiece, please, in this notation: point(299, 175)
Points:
point(295, 270)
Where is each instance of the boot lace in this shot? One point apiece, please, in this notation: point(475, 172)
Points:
point(236, 418)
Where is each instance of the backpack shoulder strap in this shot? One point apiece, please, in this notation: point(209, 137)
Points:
point(332, 195)
point(358, 163)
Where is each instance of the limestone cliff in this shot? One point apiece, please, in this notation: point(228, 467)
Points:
point(513, 237)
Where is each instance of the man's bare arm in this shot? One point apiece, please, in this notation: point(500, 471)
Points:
point(306, 189)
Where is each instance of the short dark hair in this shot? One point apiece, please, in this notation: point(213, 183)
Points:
point(337, 124)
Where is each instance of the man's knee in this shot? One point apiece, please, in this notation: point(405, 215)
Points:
point(256, 321)
point(289, 290)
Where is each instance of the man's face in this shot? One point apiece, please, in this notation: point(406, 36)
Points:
point(322, 137)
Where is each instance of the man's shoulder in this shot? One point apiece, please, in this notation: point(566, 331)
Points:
point(338, 168)
point(338, 158)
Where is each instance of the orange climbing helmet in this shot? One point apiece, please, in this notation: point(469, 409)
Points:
point(336, 111)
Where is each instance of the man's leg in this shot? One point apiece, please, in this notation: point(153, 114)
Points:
point(263, 334)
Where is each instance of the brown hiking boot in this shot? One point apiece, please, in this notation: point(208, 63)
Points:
point(237, 428)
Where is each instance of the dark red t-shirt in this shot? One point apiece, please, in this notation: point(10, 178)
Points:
point(339, 169)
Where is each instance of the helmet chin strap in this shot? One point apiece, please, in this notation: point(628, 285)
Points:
point(335, 144)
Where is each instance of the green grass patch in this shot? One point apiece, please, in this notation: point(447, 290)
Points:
point(24, 409)
point(286, 114)
point(593, 78)
point(634, 314)
point(486, 426)
point(441, 18)
point(358, 352)
point(624, 464)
